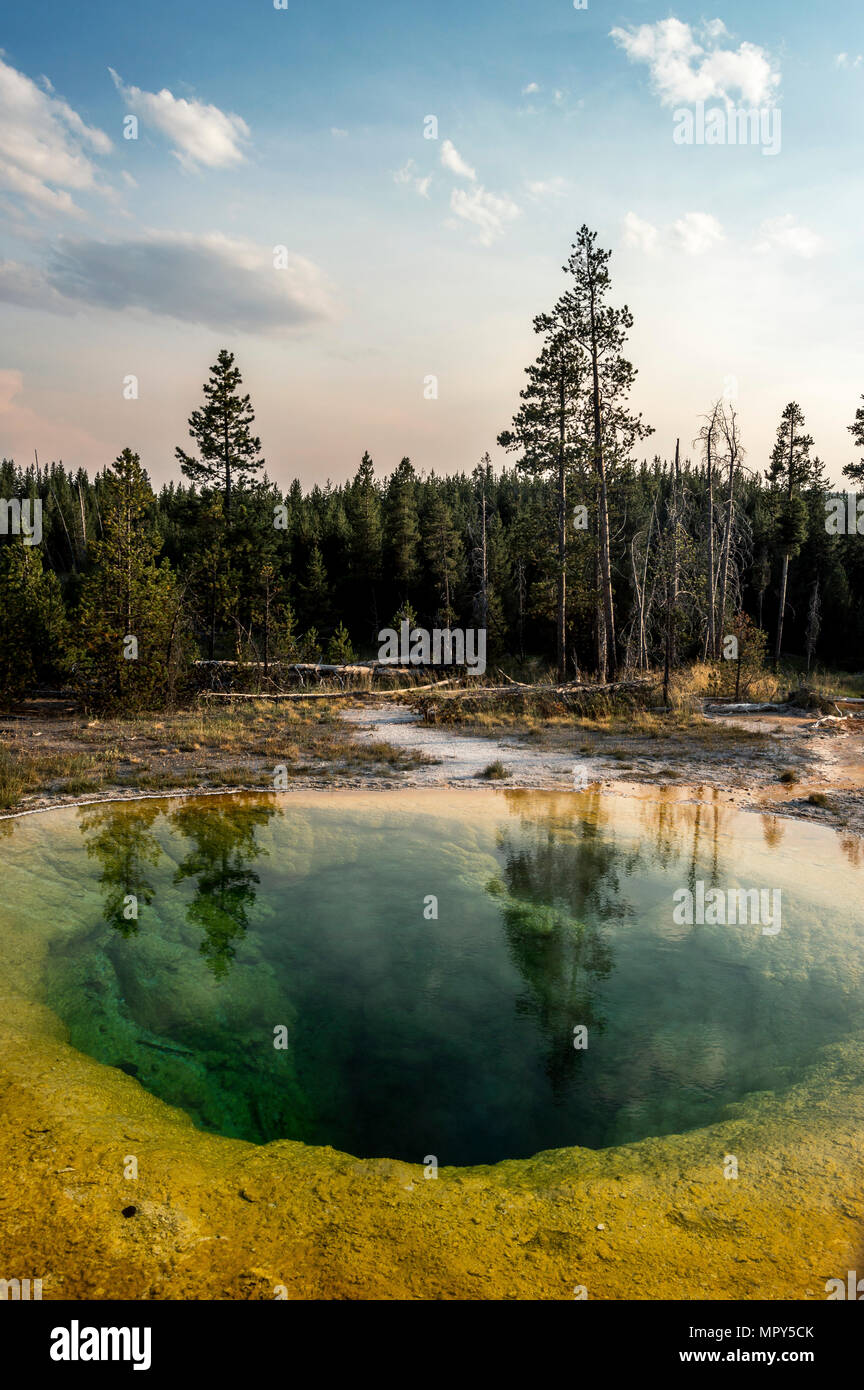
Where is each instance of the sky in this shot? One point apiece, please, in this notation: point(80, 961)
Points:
point(368, 204)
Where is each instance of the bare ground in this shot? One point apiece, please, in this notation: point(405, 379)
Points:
point(783, 764)
point(745, 757)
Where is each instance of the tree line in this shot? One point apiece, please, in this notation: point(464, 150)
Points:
point(579, 554)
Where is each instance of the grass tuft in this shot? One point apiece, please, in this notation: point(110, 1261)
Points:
point(495, 772)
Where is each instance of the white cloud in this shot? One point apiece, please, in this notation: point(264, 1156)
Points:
point(785, 234)
point(547, 188)
point(697, 232)
point(338, 132)
point(694, 233)
point(532, 87)
point(200, 134)
point(408, 175)
point(213, 280)
point(452, 160)
point(683, 70)
point(642, 235)
point(844, 60)
point(45, 146)
point(488, 212)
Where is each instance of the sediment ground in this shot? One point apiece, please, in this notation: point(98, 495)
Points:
point(215, 1218)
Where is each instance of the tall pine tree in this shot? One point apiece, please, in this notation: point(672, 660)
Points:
point(222, 430)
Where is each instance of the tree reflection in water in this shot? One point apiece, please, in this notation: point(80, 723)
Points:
point(121, 838)
point(560, 882)
point(224, 848)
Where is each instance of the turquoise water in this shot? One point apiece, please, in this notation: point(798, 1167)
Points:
point(309, 920)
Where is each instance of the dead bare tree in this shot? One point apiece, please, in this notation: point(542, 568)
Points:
point(707, 437)
point(734, 455)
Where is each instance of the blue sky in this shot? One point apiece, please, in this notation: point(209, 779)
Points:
point(409, 257)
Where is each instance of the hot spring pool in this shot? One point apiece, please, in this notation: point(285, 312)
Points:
point(405, 974)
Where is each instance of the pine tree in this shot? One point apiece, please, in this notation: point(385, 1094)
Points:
point(229, 452)
point(403, 527)
point(547, 430)
point(442, 548)
point(32, 620)
point(855, 471)
point(317, 604)
point(127, 644)
point(792, 469)
point(208, 566)
point(340, 651)
point(363, 509)
point(601, 332)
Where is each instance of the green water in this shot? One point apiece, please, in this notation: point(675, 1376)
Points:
point(307, 920)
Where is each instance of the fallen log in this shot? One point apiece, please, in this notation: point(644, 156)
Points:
point(564, 691)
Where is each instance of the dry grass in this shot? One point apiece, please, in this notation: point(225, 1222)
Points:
point(25, 771)
point(830, 685)
point(697, 682)
point(204, 747)
point(820, 800)
point(495, 772)
point(542, 716)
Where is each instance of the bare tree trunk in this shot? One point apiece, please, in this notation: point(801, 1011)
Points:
point(640, 588)
point(520, 590)
point(707, 436)
point(83, 524)
point(813, 623)
point(783, 578)
point(610, 670)
point(562, 534)
point(730, 428)
point(484, 567)
point(653, 518)
point(790, 487)
point(599, 613)
point(640, 610)
point(672, 601)
point(267, 626)
point(712, 632)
